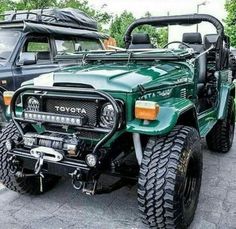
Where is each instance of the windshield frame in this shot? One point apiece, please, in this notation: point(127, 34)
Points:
point(130, 55)
point(74, 38)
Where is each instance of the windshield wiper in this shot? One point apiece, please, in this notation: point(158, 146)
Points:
point(2, 58)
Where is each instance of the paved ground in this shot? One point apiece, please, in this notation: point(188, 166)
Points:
point(64, 207)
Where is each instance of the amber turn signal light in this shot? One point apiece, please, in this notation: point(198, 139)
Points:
point(7, 97)
point(146, 110)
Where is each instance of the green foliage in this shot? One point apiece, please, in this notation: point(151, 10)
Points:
point(34, 4)
point(162, 37)
point(230, 21)
point(119, 25)
point(6, 5)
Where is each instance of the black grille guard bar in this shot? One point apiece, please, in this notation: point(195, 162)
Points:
point(105, 139)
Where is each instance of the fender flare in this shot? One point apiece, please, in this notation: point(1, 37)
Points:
point(171, 111)
point(225, 92)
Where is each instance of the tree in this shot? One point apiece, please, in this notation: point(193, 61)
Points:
point(34, 4)
point(119, 25)
point(230, 21)
point(6, 5)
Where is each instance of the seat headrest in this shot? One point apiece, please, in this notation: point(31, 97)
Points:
point(192, 38)
point(140, 38)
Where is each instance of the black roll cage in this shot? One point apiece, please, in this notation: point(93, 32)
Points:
point(189, 19)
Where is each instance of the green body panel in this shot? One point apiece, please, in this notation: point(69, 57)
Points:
point(225, 88)
point(224, 96)
point(118, 77)
point(206, 121)
point(172, 84)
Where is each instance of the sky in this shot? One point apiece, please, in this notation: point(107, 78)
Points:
point(161, 7)
point(164, 7)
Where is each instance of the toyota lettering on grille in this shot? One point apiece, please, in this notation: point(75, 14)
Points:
point(73, 110)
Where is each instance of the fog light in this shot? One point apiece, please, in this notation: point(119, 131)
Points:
point(9, 144)
point(91, 160)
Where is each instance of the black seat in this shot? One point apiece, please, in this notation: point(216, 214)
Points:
point(140, 41)
point(194, 40)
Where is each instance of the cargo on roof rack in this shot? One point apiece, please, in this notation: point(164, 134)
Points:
point(67, 17)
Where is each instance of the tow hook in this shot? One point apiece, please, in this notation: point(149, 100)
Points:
point(77, 182)
point(38, 168)
point(89, 188)
point(39, 164)
point(44, 153)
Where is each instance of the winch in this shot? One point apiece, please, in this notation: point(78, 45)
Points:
point(72, 146)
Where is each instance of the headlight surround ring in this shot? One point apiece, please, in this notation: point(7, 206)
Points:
point(107, 116)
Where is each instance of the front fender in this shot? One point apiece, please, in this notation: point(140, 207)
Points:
point(225, 93)
point(170, 111)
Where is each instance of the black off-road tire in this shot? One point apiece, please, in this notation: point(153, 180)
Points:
point(170, 179)
point(220, 138)
point(30, 185)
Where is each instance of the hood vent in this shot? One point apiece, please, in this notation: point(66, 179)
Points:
point(77, 85)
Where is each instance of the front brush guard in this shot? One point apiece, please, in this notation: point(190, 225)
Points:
point(106, 96)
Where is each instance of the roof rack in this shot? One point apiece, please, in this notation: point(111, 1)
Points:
point(60, 17)
point(10, 17)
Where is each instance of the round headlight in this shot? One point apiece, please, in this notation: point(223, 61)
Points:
point(32, 104)
point(107, 116)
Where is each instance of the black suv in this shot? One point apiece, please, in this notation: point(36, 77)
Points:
point(31, 41)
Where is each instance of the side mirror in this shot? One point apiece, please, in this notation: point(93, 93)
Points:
point(27, 58)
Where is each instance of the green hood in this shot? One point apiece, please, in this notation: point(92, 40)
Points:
point(117, 77)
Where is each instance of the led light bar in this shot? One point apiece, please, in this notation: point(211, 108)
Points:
point(53, 118)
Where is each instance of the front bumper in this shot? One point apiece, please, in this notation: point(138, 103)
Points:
point(62, 168)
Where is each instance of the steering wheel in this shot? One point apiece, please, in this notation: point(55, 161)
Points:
point(176, 42)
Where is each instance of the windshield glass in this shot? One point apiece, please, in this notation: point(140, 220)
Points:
point(8, 40)
point(76, 45)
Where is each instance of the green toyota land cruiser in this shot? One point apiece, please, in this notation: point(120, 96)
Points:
point(138, 114)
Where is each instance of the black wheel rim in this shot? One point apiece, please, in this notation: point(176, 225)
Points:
point(191, 189)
